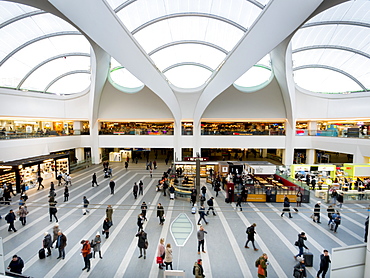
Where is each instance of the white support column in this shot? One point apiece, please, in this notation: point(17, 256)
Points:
point(289, 145)
point(80, 154)
point(196, 138)
point(177, 144)
point(312, 128)
point(310, 156)
point(358, 158)
point(77, 127)
point(264, 153)
point(96, 156)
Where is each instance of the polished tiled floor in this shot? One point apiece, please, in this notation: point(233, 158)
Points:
point(225, 257)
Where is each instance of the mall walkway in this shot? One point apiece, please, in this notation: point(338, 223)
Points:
point(225, 257)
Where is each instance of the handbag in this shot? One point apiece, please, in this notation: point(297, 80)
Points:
point(159, 260)
point(146, 244)
point(89, 256)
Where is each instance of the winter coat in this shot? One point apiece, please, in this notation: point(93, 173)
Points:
point(96, 242)
point(141, 239)
point(63, 242)
point(168, 255)
point(47, 241)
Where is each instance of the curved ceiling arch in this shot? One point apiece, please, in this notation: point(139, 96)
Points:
point(337, 47)
point(336, 22)
point(176, 15)
point(333, 69)
point(64, 75)
point(125, 4)
point(188, 64)
point(63, 55)
point(36, 40)
point(188, 42)
point(20, 17)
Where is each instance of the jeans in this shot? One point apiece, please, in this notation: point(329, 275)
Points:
point(300, 252)
point(201, 243)
point(62, 253)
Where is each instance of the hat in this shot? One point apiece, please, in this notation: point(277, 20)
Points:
point(46, 233)
point(97, 233)
point(199, 260)
point(56, 225)
point(319, 202)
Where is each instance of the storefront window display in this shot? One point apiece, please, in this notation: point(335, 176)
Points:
point(136, 128)
point(187, 128)
point(242, 128)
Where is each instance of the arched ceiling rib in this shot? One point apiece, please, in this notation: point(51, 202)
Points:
point(190, 42)
point(187, 64)
point(125, 4)
point(64, 75)
point(338, 47)
point(169, 16)
point(36, 40)
point(336, 22)
point(333, 69)
point(63, 55)
point(20, 17)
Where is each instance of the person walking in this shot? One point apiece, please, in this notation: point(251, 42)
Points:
point(86, 254)
point(286, 206)
point(300, 244)
point(299, 198)
point(22, 212)
point(85, 205)
point(47, 243)
point(261, 264)
point(95, 244)
point(168, 256)
point(202, 213)
point(239, 202)
point(66, 193)
point(135, 189)
point(340, 200)
point(330, 211)
point(52, 186)
point(68, 180)
point(16, 265)
point(171, 190)
point(106, 226)
point(55, 233)
point(160, 213)
point(140, 222)
point(10, 218)
point(39, 180)
point(126, 165)
point(144, 208)
point(142, 243)
point(299, 270)
point(61, 245)
point(198, 269)
point(161, 253)
point(337, 221)
point(112, 184)
point(324, 263)
point(251, 231)
point(200, 236)
point(141, 187)
point(94, 180)
point(59, 179)
point(109, 214)
point(210, 206)
point(316, 213)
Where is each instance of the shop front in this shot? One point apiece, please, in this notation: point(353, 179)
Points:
point(26, 171)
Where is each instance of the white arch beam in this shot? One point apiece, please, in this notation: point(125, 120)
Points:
point(96, 19)
point(277, 21)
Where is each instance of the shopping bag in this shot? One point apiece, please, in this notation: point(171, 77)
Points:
point(159, 260)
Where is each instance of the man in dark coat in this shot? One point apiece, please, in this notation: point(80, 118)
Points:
point(61, 245)
point(160, 213)
point(94, 181)
point(202, 212)
point(10, 218)
point(135, 190)
point(316, 213)
point(286, 207)
point(239, 202)
point(251, 232)
point(210, 206)
point(16, 265)
point(142, 243)
point(112, 184)
point(47, 243)
point(324, 263)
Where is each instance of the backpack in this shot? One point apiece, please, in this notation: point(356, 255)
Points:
point(249, 230)
point(257, 262)
point(209, 202)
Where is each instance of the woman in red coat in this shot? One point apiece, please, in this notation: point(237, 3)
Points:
point(86, 254)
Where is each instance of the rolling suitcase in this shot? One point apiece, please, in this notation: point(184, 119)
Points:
point(42, 253)
point(308, 259)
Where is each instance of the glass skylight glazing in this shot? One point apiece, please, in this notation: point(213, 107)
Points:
point(122, 79)
point(41, 47)
point(155, 23)
point(332, 55)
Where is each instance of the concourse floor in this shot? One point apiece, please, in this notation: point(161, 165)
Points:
point(224, 243)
